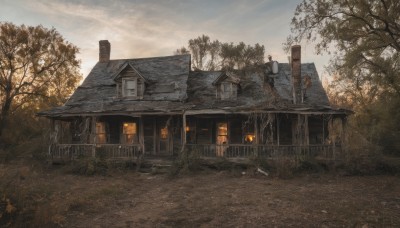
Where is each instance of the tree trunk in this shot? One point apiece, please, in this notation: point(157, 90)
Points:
point(4, 117)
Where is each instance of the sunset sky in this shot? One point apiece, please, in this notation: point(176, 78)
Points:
point(146, 28)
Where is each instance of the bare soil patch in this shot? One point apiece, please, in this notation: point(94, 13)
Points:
point(207, 199)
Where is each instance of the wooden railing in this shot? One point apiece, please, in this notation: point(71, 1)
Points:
point(265, 151)
point(132, 151)
point(106, 151)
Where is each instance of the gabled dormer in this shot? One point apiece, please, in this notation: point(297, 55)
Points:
point(130, 83)
point(227, 86)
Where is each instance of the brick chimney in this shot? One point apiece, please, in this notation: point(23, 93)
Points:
point(296, 74)
point(104, 51)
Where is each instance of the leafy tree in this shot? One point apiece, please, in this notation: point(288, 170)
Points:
point(38, 68)
point(214, 55)
point(364, 39)
point(241, 55)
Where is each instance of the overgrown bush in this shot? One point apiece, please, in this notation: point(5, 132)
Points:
point(188, 161)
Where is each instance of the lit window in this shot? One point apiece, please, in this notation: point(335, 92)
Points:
point(249, 138)
point(129, 87)
point(164, 133)
point(101, 135)
point(222, 131)
point(129, 132)
point(222, 138)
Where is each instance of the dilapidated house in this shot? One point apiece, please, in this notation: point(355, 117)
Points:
point(159, 106)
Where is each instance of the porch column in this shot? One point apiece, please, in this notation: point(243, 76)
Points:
point(54, 136)
point(306, 130)
point(93, 135)
point(343, 135)
point(183, 130)
point(277, 128)
point(256, 131)
point(141, 133)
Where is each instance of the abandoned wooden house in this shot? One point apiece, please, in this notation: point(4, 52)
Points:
point(158, 106)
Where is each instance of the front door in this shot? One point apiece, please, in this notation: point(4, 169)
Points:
point(222, 138)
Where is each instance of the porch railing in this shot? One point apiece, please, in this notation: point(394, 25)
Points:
point(265, 151)
point(106, 151)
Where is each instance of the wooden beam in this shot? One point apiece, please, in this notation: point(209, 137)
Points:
point(183, 130)
point(256, 130)
point(141, 134)
point(93, 138)
point(278, 128)
point(306, 130)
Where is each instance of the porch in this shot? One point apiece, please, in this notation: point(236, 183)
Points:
point(263, 135)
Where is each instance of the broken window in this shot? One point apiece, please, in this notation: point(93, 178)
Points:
point(101, 134)
point(129, 132)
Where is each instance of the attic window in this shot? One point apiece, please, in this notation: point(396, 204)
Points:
point(228, 90)
point(129, 87)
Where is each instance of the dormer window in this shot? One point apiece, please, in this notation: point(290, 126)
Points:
point(130, 82)
point(226, 86)
point(228, 90)
point(129, 87)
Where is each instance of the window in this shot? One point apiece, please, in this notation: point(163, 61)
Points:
point(101, 134)
point(249, 136)
point(222, 138)
point(222, 133)
point(228, 90)
point(129, 87)
point(164, 133)
point(129, 132)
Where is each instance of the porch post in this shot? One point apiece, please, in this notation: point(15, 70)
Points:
point(343, 136)
point(277, 128)
point(184, 130)
point(323, 129)
point(141, 133)
point(306, 130)
point(93, 136)
point(256, 131)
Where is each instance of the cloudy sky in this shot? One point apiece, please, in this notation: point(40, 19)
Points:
point(146, 28)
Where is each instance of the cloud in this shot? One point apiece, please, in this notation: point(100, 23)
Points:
point(145, 28)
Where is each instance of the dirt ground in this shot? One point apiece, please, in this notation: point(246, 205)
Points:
point(206, 199)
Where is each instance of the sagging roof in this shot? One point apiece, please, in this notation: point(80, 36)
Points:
point(259, 90)
point(99, 85)
point(255, 93)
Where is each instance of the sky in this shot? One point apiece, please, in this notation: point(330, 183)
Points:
point(149, 28)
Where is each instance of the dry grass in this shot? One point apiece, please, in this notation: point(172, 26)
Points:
point(50, 198)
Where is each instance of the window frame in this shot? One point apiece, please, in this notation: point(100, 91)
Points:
point(125, 135)
point(227, 90)
point(101, 137)
point(125, 89)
